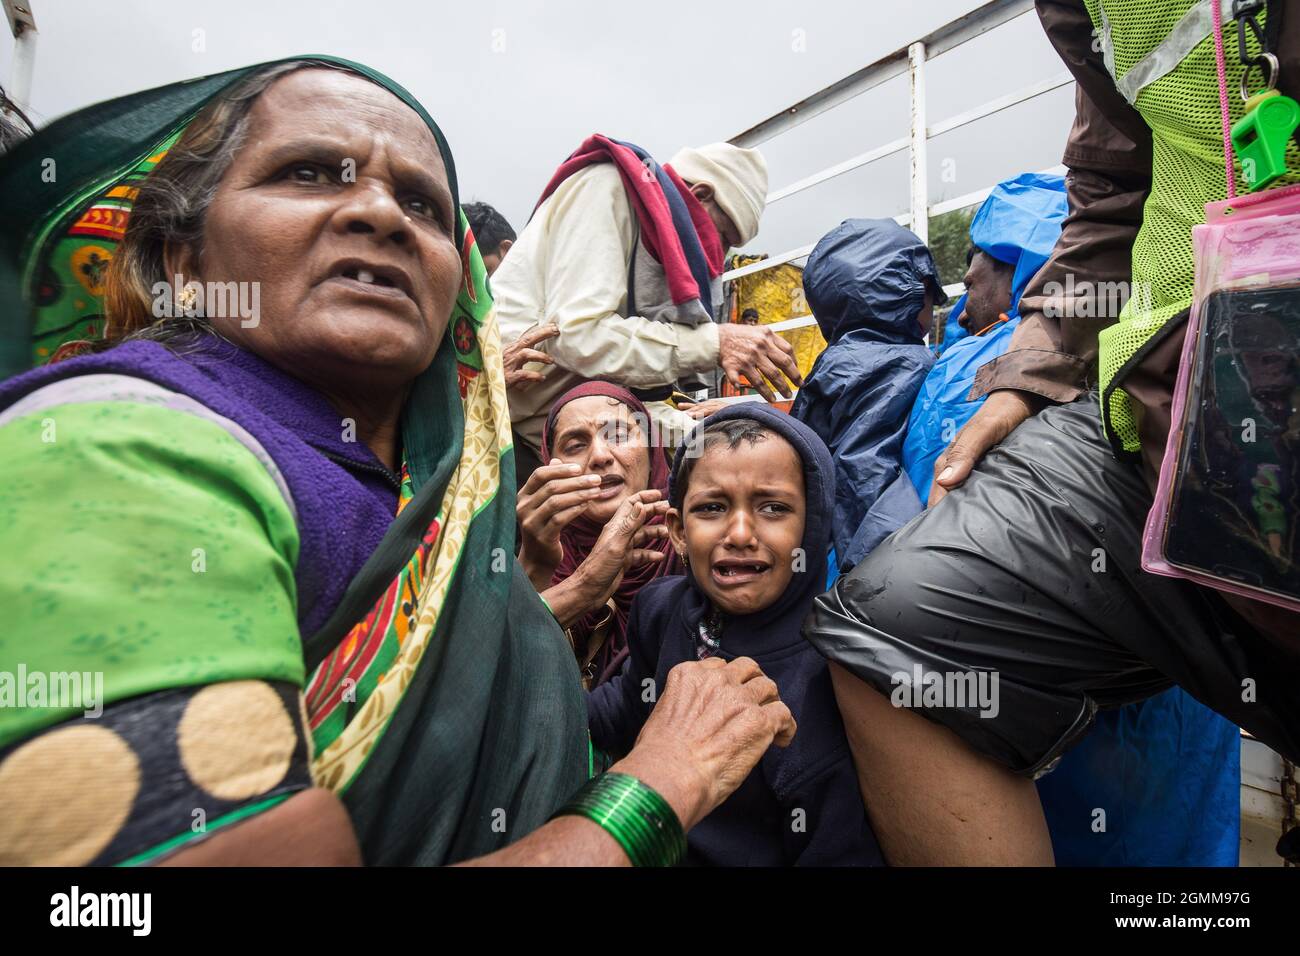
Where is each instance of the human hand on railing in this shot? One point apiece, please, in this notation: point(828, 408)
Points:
point(702, 410)
point(761, 356)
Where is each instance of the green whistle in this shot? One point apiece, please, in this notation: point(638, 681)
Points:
point(1260, 137)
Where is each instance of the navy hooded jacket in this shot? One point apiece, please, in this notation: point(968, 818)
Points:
point(866, 282)
point(801, 805)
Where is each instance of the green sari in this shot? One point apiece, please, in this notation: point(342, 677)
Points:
point(474, 731)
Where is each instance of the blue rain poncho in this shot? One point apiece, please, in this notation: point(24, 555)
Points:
point(866, 282)
point(1166, 771)
point(1018, 224)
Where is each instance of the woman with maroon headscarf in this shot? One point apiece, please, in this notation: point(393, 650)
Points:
point(592, 520)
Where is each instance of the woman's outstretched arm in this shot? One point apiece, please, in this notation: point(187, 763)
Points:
point(711, 725)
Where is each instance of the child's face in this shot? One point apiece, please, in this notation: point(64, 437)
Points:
point(741, 520)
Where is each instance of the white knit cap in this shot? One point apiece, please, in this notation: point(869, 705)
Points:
point(738, 177)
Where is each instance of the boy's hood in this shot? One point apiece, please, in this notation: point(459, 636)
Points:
point(783, 617)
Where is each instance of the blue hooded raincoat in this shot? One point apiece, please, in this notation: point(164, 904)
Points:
point(1018, 224)
point(866, 282)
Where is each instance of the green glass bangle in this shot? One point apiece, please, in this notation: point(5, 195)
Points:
point(634, 815)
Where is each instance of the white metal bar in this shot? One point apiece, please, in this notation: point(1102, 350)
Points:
point(1064, 78)
point(903, 219)
point(739, 399)
point(839, 169)
point(960, 202)
point(768, 263)
point(947, 37)
point(978, 22)
point(919, 204)
point(838, 93)
point(1021, 95)
point(20, 72)
point(19, 15)
point(790, 325)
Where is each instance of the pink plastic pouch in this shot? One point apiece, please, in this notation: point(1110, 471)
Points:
point(1227, 507)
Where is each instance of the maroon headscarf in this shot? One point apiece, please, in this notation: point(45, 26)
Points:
point(579, 537)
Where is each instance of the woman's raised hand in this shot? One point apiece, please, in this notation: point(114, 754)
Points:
point(552, 497)
point(622, 544)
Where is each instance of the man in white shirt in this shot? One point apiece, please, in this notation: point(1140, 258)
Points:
point(572, 266)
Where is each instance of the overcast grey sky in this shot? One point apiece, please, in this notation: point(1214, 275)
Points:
point(517, 85)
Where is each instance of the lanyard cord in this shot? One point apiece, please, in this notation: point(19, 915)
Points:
point(1216, 6)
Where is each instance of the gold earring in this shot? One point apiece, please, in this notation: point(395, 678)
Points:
point(186, 299)
point(686, 562)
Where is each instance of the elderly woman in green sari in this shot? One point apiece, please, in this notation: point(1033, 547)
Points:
point(261, 519)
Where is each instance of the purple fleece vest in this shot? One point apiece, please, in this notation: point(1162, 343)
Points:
point(344, 496)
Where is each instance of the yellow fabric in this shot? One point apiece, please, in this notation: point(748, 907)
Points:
point(777, 294)
point(1182, 109)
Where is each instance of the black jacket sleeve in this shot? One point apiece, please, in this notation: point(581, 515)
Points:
point(619, 708)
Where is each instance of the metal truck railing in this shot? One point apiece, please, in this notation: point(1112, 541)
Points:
point(910, 60)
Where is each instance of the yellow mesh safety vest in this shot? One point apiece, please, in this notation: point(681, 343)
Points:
point(1161, 55)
